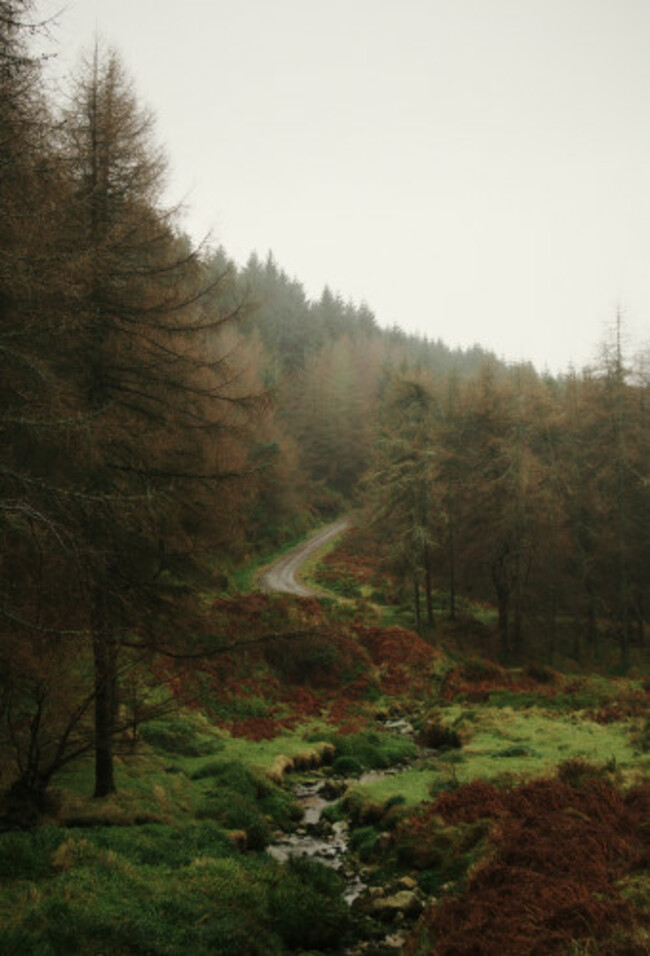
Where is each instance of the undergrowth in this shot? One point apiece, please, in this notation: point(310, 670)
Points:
point(565, 861)
point(160, 892)
point(368, 750)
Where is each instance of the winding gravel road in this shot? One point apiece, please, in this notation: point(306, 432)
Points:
point(281, 575)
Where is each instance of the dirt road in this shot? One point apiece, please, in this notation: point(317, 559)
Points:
point(281, 575)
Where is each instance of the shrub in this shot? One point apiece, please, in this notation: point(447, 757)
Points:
point(641, 736)
point(478, 669)
point(26, 855)
point(575, 773)
point(551, 879)
point(540, 673)
point(177, 737)
point(364, 842)
point(307, 907)
point(438, 737)
point(346, 766)
point(241, 800)
point(310, 660)
point(372, 750)
point(424, 842)
point(338, 582)
point(334, 813)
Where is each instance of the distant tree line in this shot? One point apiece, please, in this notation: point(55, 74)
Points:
point(529, 493)
point(487, 482)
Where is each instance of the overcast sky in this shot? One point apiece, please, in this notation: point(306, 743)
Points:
point(475, 170)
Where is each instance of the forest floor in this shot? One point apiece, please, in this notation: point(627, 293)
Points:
point(514, 819)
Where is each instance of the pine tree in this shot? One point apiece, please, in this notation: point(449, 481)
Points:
point(404, 482)
point(39, 548)
point(157, 407)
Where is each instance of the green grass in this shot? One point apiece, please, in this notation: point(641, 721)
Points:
point(512, 745)
point(240, 799)
point(179, 737)
point(413, 785)
point(180, 882)
point(590, 694)
point(160, 892)
point(261, 754)
point(538, 740)
point(162, 785)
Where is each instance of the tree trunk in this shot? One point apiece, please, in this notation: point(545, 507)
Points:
point(577, 642)
point(552, 626)
point(592, 625)
point(502, 604)
point(517, 630)
point(452, 572)
point(105, 661)
point(428, 587)
point(416, 602)
point(502, 590)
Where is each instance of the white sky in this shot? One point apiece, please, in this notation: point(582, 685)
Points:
point(475, 170)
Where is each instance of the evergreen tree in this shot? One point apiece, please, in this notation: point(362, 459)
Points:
point(153, 386)
point(408, 507)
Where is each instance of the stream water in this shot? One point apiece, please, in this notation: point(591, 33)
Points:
point(316, 838)
point(328, 843)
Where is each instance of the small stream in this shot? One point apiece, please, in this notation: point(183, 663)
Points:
point(328, 843)
point(317, 838)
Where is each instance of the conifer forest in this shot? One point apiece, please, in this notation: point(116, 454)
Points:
point(434, 736)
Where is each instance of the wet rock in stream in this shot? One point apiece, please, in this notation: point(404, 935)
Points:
point(316, 838)
point(399, 725)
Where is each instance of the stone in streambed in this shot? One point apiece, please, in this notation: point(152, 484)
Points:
point(408, 883)
point(395, 907)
